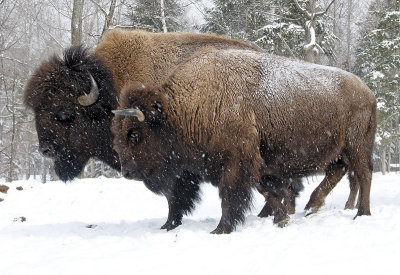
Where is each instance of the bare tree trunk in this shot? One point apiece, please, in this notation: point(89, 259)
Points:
point(348, 48)
point(383, 160)
point(390, 148)
point(109, 16)
point(44, 170)
point(398, 144)
point(164, 23)
point(76, 22)
point(28, 165)
point(12, 110)
point(12, 147)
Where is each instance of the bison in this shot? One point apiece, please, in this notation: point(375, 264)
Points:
point(72, 98)
point(234, 116)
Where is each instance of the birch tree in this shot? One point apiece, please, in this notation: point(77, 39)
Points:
point(76, 22)
point(311, 14)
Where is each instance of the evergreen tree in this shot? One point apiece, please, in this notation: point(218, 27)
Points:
point(279, 26)
point(378, 63)
point(237, 18)
point(289, 32)
point(146, 15)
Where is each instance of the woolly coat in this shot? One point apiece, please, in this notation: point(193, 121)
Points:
point(231, 116)
point(308, 113)
point(140, 56)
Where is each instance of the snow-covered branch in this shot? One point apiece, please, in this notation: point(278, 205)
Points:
point(319, 14)
point(100, 7)
point(304, 11)
point(312, 42)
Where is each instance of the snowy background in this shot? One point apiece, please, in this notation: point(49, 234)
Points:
point(111, 226)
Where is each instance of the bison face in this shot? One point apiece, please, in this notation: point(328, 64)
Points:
point(72, 100)
point(140, 138)
point(70, 137)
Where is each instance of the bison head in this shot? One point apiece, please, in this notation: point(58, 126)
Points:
point(140, 136)
point(72, 99)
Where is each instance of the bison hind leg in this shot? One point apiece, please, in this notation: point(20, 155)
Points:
point(354, 187)
point(333, 174)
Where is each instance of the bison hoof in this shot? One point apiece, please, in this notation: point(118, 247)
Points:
point(311, 211)
point(362, 213)
point(282, 221)
point(221, 230)
point(266, 212)
point(348, 207)
point(169, 225)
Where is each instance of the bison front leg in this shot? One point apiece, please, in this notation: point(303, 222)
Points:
point(235, 192)
point(182, 199)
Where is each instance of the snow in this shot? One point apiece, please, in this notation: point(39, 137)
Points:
point(125, 238)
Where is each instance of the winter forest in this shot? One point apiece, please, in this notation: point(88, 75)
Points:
point(361, 37)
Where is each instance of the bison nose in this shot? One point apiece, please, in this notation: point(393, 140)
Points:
point(129, 170)
point(47, 150)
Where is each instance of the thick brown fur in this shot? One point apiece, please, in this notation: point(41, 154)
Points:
point(140, 56)
point(70, 133)
point(230, 116)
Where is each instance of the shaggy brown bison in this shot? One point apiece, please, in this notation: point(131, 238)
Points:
point(233, 116)
point(72, 97)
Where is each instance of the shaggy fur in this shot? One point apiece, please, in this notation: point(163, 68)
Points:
point(230, 116)
point(70, 133)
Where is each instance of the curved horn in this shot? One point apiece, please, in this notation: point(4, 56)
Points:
point(130, 112)
point(91, 98)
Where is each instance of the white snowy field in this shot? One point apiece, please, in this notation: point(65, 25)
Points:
point(125, 237)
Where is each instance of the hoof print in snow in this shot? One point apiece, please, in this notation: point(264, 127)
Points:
point(19, 188)
point(91, 226)
point(4, 189)
point(20, 219)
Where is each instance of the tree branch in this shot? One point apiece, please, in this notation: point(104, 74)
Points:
point(100, 7)
point(15, 60)
point(318, 14)
point(304, 11)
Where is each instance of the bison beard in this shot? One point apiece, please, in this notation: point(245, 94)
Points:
point(68, 168)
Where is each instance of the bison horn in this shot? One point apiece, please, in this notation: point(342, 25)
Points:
point(91, 98)
point(130, 112)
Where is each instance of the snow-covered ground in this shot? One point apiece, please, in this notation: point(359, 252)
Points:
point(125, 237)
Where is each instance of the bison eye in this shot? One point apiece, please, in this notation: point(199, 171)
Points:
point(133, 137)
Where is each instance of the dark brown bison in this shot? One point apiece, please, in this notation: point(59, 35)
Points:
point(232, 117)
point(72, 98)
